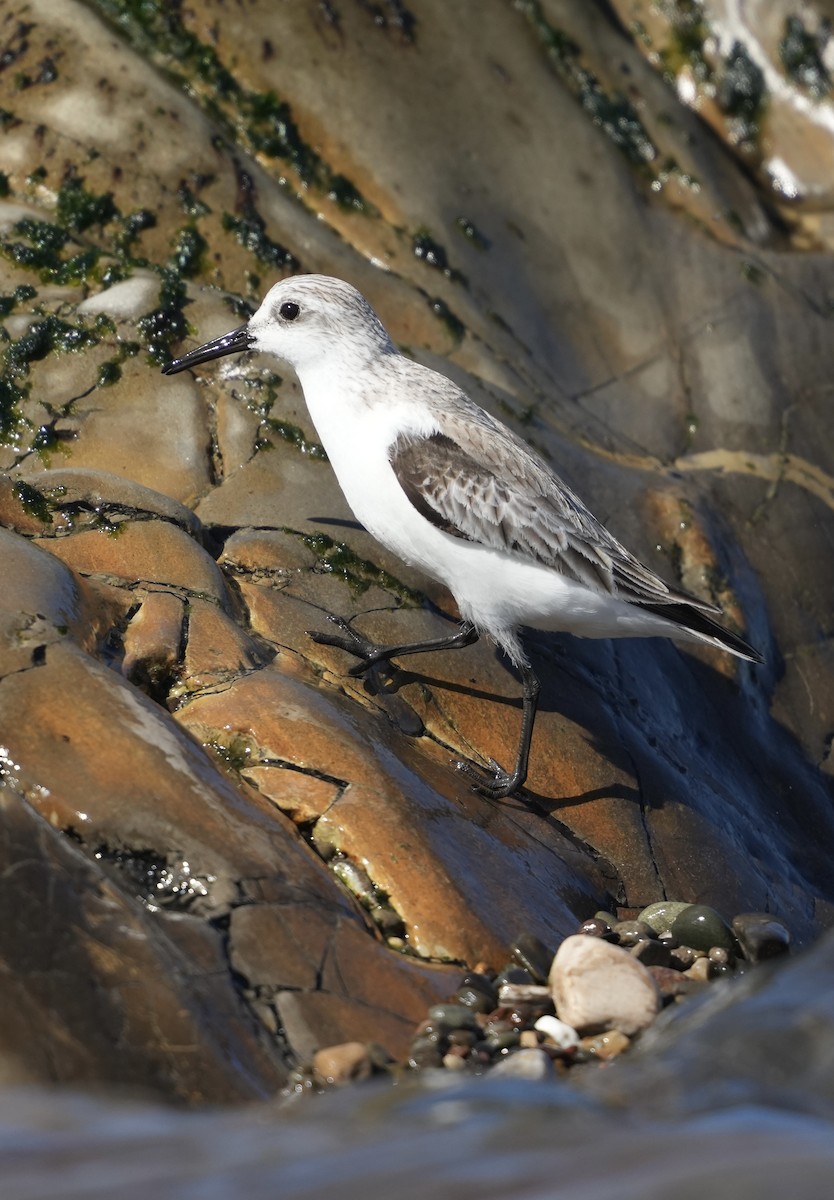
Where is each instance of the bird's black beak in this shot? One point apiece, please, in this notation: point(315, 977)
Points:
point(229, 343)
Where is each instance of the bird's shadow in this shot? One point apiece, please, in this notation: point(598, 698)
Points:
point(389, 678)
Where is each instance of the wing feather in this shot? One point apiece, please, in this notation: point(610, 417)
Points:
point(498, 493)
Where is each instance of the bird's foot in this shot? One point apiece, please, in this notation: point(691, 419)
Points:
point(492, 781)
point(369, 653)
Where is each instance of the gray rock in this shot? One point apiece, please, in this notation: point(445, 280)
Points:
point(761, 936)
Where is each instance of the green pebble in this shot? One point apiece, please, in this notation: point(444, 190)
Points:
point(445, 1017)
point(695, 925)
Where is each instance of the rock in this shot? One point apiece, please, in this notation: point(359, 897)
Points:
point(630, 932)
point(605, 1045)
point(701, 970)
point(453, 1062)
point(424, 1054)
point(672, 983)
point(651, 952)
point(597, 987)
point(558, 1032)
point(531, 953)
point(445, 1017)
point(511, 994)
point(529, 1064)
point(694, 925)
point(349, 1062)
point(683, 957)
point(515, 976)
point(201, 625)
point(761, 936)
point(477, 992)
point(596, 927)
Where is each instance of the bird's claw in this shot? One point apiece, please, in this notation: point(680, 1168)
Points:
point(350, 641)
point(493, 781)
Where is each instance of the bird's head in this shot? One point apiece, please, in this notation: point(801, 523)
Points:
point(303, 321)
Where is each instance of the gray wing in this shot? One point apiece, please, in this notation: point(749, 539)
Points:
point(500, 494)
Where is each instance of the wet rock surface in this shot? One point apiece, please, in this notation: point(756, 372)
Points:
point(224, 855)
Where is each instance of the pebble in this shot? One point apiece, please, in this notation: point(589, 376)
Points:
point(348, 1062)
point(424, 1053)
point(761, 936)
point(497, 1041)
point(558, 1032)
point(673, 983)
point(597, 986)
point(463, 1037)
point(605, 1045)
point(701, 970)
point(631, 932)
point(683, 957)
point(513, 974)
point(595, 927)
point(651, 952)
point(531, 953)
point(524, 1064)
point(510, 994)
point(476, 998)
point(607, 982)
point(445, 1017)
point(695, 925)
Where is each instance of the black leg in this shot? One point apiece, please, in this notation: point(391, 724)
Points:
point(371, 654)
point(496, 782)
point(493, 781)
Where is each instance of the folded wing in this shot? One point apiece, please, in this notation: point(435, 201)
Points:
point(503, 496)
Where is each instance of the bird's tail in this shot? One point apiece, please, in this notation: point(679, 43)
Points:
point(702, 628)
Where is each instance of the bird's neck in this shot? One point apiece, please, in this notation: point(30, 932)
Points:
point(344, 382)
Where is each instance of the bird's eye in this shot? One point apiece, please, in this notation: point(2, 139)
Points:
point(289, 310)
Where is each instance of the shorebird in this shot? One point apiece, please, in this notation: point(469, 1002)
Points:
point(452, 491)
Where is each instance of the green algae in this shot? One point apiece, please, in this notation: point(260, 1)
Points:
point(261, 122)
point(77, 209)
point(429, 251)
point(800, 53)
point(236, 754)
point(454, 325)
point(250, 231)
point(8, 303)
point(165, 325)
point(109, 373)
point(294, 435)
point(335, 558)
point(32, 501)
point(191, 204)
point(133, 225)
point(689, 31)
point(189, 253)
point(612, 112)
point(741, 95)
point(472, 234)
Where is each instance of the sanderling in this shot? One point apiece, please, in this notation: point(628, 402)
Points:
point(452, 491)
